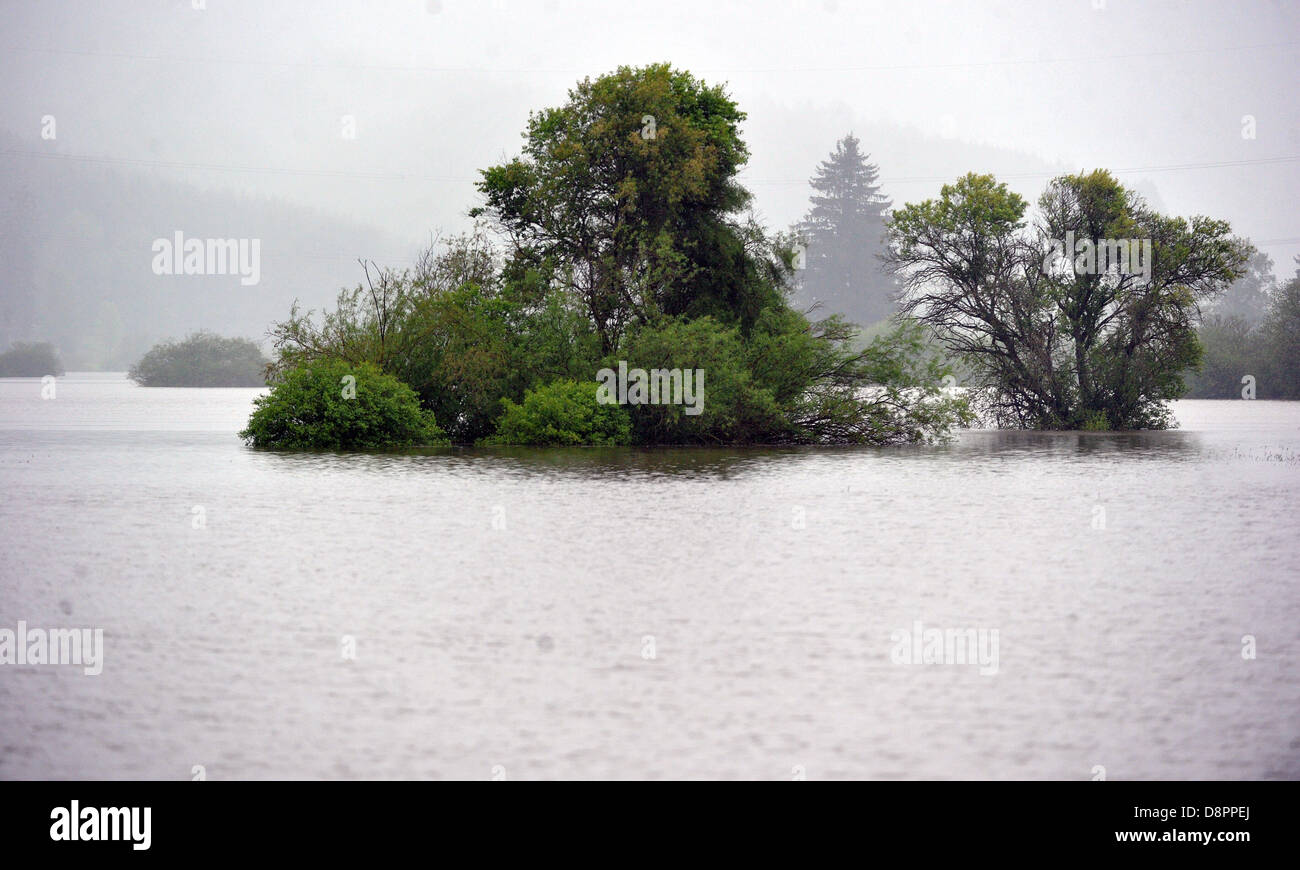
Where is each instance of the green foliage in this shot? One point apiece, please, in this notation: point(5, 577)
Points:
point(735, 408)
point(562, 413)
point(624, 197)
point(335, 405)
point(793, 382)
point(623, 244)
point(30, 360)
point(441, 328)
point(202, 360)
point(1049, 346)
point(1094, 421)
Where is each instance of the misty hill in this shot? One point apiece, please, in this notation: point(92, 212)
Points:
point(77, 241)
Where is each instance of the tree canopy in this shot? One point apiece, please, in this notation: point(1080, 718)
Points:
point(625, 243)
point(1055, 338)
point(626, 196)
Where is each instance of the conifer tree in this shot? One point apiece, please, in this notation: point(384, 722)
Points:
point(843, 234)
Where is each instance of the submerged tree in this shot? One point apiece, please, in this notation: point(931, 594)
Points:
point(1086, 321)
point(844, 236)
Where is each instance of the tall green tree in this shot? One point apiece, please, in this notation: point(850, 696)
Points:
point(844, 236)
point(1057, 340)
point(627, 197)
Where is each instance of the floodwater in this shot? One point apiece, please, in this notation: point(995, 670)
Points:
point(624, 613)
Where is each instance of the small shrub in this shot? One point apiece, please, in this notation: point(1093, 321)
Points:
point(562, 413)
point(30, 360)
point(1094, 421)
point(316, 405)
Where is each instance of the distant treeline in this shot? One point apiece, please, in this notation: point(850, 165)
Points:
point(77, 243)
point(1251, 337)
point(30, 360)
point(202, 360)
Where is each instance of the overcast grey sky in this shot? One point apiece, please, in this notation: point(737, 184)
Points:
point(251, 96)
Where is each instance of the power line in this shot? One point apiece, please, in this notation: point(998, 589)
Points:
point(539, 70)
point(401, 176)
point(220, 167)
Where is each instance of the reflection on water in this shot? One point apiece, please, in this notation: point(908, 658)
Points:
point(503, 602)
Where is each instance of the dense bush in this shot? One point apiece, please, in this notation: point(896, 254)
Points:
point(30, 360)
point(201, 360)
point(562, 413)
point(336, 405)
point(733, 406)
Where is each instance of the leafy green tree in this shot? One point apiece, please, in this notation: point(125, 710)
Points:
point(1052, 345)
point(201, 360)
point(335, 405)
point(30, 360)
point(626, 197)
point(844, 236)
point(562, 413)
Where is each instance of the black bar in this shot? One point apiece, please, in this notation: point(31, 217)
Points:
point(300, 819)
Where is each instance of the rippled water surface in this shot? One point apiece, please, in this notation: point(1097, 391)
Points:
point(633, 613)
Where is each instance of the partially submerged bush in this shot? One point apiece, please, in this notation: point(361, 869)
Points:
point(562, 413)
point(731, 405)
point(201, 360)
point(339, 406)
point(30, 360)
